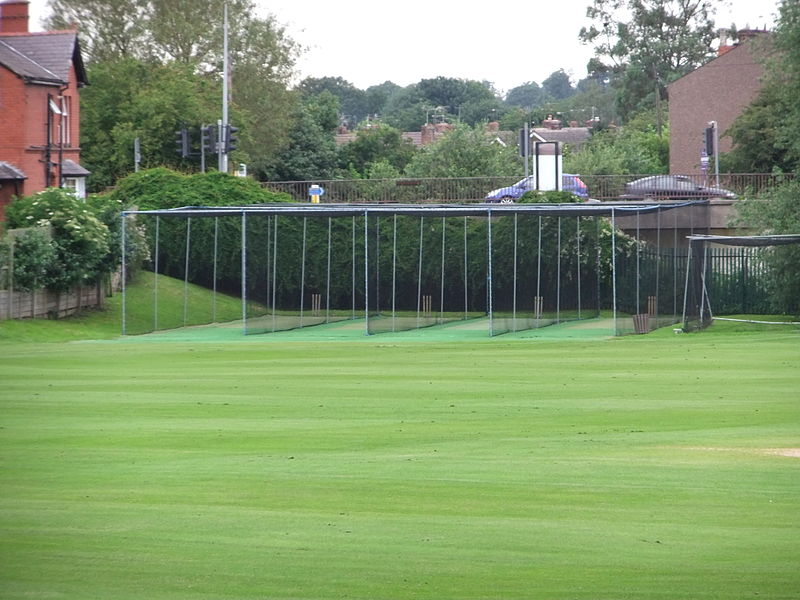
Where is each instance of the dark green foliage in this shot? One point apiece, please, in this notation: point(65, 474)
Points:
point(80, 240)
point(162, 188)
point(642, 45)
point(353, 102)
point(778, 212)
point(756, 134)
point(373, 145)
point(465, 152)
point(310, 152)
point(527, 95)
point(131, 99)
point(558, 85)
point(34, 258)
point(766, 136)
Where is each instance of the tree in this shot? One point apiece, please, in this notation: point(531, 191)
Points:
point(756, 134)
point(129, 98)
point(645, 44)
point(110, 29)
point(528, 95)
point(184, 38)
point(407, 109)
point(353, 102)
point(376, 144)
point(635, 148)
point(766, 136)
point(558, 85)
point(465, 152)
point(777, 213)
point(310, 152)
point(378, 96)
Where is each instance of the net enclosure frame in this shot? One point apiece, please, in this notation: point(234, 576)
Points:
point(697, 310)
point(373, 231)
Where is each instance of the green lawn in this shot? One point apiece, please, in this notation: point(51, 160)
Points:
point(641, 467)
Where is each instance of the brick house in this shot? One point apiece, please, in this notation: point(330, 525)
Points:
point(40, 78)
point(718, 91)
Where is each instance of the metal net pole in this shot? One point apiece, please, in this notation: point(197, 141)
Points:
point(558, 276)
point(303, 271)
point(124, 274)
point(638, 266)
point(186, 270)
point(614, 266)
point(269, 260)
point(274, 269)
point(155, 276)
point(514, 286)
point(578, 250)
point(366, 272)
point(539, 304)
point(441, 285)
point(466, 270)
point(489, 272)
point(394, 271)
point(328, 280)
point(353, 265)
point(244, 272)
point(419, 269)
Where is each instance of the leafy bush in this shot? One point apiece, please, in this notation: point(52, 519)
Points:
point(163, 188)
point(79, 239)
point(34, 258)
point(777, 213)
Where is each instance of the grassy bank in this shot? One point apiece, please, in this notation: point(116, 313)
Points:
point(106, 324)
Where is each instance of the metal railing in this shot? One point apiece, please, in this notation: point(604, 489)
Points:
point(474, 189)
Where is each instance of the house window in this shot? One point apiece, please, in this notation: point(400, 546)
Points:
point(66, 134)
point(76, 184)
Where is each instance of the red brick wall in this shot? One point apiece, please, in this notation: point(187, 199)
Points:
point(22, 146)
point(718, 91)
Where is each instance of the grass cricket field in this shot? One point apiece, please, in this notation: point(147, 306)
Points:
point(282, 466)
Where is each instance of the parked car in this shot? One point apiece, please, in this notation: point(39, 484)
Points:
point(671, 186)
point(512, 193)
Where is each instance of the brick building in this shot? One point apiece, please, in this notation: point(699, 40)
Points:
point(40, 78)
point(718, 91)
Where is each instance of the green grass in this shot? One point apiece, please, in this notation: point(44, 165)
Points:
point(644, 467)
point(107, 323)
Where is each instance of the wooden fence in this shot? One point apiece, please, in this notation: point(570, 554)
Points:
point(49, 304)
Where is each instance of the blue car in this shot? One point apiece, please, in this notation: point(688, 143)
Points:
point(512, 193)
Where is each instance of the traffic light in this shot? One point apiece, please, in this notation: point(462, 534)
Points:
point(208, 139)
point(182, 142)
point(709, 140)
point(231, 140)
point(524, 143)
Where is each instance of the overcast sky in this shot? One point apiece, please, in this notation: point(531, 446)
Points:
point(506, 42)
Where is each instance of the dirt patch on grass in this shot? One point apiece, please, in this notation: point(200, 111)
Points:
point(790, 452)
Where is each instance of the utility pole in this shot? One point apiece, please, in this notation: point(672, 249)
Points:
point(223, 129)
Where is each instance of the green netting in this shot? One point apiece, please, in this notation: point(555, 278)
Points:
point(201, 254)
point(544, 271)
point(300, 271)
point(411, 267)
point(423, 272)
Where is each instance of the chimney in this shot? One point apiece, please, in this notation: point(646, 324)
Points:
point(428, 133)
point(14, 16)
